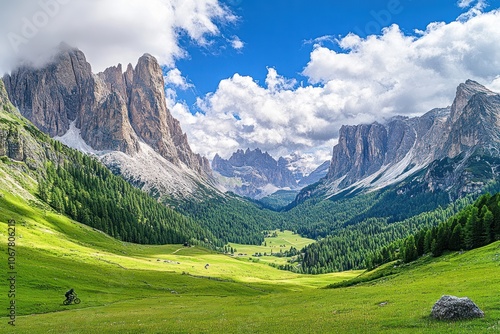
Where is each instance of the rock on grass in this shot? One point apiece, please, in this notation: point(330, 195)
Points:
point(455, 308)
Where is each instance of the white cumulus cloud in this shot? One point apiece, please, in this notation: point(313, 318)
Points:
point(464, 3)
point(107, 31)
point(237, 43)
point(174, 78)
point(366, 79)
point(475, 7)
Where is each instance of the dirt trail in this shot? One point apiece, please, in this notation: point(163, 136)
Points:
point(291, 243)
point(177, 250)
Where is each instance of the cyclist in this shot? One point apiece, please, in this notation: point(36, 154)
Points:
point(70, 295)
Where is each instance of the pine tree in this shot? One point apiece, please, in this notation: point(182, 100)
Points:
point(455, 242)
point(434, 247)
point(428, 242)
point(410, 250)
point(419, 242)
point(472, 233)
point(487, 227)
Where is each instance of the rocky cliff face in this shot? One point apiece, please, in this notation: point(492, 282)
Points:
point(447, 149)
point(256, 174)
point(112, 111)
point(17, 139)
point(52, 96)
point(397, 147)
point(11, 142)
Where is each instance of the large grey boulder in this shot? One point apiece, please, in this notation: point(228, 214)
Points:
point(454, 308)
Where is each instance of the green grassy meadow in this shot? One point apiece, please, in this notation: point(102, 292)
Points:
point(127, 288)
point(283, 242)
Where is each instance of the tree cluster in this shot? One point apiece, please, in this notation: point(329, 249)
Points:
point(88, 192)
point(475, 226)
point(355, 240)
point(232, 219)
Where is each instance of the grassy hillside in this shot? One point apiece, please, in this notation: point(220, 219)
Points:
point(125, 289)
point(81, 187)
point(131, 288)
point(275, 243)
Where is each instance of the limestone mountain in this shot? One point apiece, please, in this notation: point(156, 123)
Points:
point(320, 172)
point(15, 142)
point(253, 173)
point(54, 178)
point(454, 149)
point(256, 174)
point(121, 116)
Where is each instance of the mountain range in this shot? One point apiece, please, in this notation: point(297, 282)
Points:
point(384, 181)
point(119, 116)
point(454, 149)
point(122, 118)
point(256, 174)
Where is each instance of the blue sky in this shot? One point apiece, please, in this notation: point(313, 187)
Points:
point(282, 76)
point(275, 34)
point(405, 57)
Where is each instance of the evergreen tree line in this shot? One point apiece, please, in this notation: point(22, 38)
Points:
point(317, 220)
point(352, 246)
point(85, 190)
point(475, 226)
point(232, 218)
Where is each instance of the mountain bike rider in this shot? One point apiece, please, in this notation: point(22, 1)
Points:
point(70, 294)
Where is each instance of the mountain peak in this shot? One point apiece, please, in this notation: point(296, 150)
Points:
point(255, 173)
point(373, 157)
point(473, 87)
point(112, 111)
point(259, 173)
point(147, 56)
point(148, 63)
point(464, 92)
point(65, 47)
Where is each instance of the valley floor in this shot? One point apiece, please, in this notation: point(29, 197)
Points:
point(128, 288)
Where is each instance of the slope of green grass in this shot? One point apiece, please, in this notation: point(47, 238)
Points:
point(55, 253)
point(284, 241)
point(125, 289)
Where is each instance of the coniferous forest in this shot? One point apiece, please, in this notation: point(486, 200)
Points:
point(352, 233)
point(233, 219)
point(476, 226)
point(88, 192)
point(354, 241)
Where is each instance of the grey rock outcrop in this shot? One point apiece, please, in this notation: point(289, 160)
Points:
point(256, 170)
point(372, 156)
point(113, 110)
point(11, 142)
point(365, 149)
point(256, 174)
point(454, 308)
point(17, 139)
point(51, 97)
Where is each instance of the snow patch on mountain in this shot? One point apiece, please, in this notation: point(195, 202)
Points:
point(145, 168)
point(73, 139)
point(160, 177)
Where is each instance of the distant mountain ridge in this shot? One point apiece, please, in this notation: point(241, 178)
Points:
point(121, 116)
point(453, 149)
point(256, 174)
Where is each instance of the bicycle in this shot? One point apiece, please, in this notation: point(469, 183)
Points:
point(72, 299)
